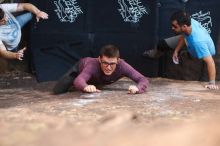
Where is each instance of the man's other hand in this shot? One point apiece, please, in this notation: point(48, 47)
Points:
point(212, 86)
point(41, 15)
point(133, 89)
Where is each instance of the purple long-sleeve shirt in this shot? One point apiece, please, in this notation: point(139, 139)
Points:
point(90, 72)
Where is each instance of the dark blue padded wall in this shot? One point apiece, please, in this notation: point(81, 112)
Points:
point(63, 17)
point(166, 8)
point(60, 41)
point(115, 16)
point(77, 29)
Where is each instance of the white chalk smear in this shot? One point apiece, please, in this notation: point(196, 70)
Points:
point(82, 102)
point(94, 95)
point(196, 100)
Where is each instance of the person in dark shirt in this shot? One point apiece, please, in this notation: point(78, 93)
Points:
point(106, 69)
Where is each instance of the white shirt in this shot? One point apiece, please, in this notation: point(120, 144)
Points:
point(10, 33)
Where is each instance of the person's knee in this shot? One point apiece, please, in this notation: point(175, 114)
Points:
point(24, 19)
point(63, 84)
point(30, 15)
point(163, 46)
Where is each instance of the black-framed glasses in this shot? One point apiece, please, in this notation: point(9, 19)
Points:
point(106, 64)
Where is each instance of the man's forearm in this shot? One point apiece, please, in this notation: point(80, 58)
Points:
point(211, 68)
point(8, 55)
point(211, 71)
point(79, 83)
point(180, 44)
point(28, 7)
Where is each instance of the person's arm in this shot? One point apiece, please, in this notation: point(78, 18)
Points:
point(130, 72)
point(211, 72)
point(180, 44)
point(33, 9)
point(11, 55)
point(85, 75)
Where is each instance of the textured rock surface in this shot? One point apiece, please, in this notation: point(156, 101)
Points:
point(190, 69)
point(171, 113)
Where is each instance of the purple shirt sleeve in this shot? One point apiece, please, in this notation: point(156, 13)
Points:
point(130, 72)
point(87, 68)
point(81, 80)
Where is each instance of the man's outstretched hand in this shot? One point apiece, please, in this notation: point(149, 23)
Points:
point(91, 89)
point(212, 86)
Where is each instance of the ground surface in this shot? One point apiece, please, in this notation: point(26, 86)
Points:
point(174, 113)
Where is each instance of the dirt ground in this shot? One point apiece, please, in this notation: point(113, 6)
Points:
point(170, 113)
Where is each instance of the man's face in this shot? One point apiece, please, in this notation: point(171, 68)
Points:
point(108, 65)
point(3, 20)
point(176, 27)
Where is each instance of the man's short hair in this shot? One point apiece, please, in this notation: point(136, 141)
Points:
point(110, 51)
point(2, 14)
point(181, 17)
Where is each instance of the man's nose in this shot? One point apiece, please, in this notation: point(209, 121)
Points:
point(109, 67)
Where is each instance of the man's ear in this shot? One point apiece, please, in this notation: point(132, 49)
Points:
point(99, 59)
point(119, 60)
point(185, 26)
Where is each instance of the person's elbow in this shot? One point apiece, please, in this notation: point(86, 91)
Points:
point(24, 6)
point(75, 84)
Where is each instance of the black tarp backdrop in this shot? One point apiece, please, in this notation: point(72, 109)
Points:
point(166, 8)
point(56, 45)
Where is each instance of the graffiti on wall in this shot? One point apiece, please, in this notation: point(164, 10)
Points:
point(132, 10)
point(67, 10)
point(204, 19)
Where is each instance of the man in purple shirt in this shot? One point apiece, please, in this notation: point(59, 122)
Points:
point(105, 69)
